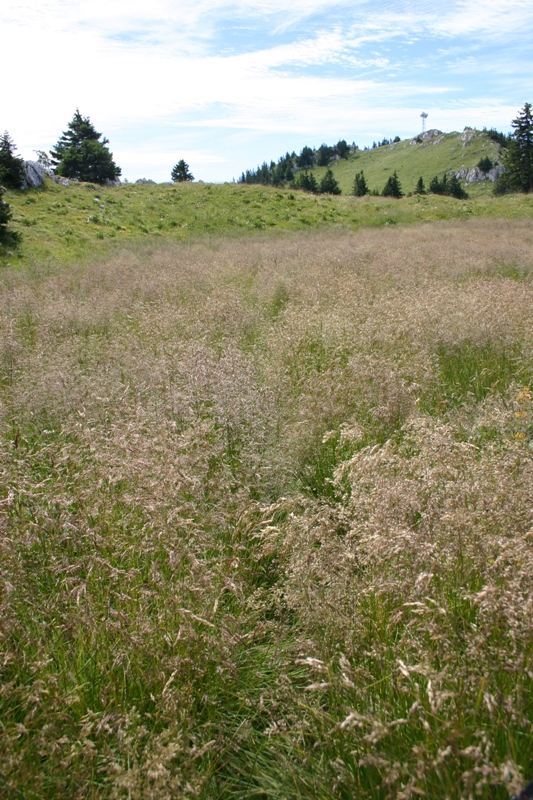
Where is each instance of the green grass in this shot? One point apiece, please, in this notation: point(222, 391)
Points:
point(265, 509)
point(64, 223)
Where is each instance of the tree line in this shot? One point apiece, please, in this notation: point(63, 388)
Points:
point(283, 171)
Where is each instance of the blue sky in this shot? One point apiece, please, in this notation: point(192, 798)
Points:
point(226, 85)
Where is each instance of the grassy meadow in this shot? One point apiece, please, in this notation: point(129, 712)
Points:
point(266, 508)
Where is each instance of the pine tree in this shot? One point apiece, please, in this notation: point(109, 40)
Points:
point(518, 159)
point(79, 153)
point(180, 172)
point(328, 184)
point(393, 187)
point(11, 166)
point(360, 187)
point(420, 188)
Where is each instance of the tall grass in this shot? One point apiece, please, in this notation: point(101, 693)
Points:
point(266, 518)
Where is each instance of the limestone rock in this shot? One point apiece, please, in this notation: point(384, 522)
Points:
point(467, 135)
point(34, 174)
point(146, 181)
point(474, 174)
point(425, 138)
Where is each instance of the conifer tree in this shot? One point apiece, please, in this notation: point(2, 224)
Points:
point(328, 184)
point(307, 182)
point(11, 166)
point(5, 215)
point(180, 172)
point(436, 186)
point(6, 236)
point(360, 187)
point(80, 154)
point(454, 189)
point(393, 187)
point(420, 188)
point(306, 158)
point(518, 159)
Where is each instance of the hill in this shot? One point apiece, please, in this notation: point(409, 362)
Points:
point(427, 155)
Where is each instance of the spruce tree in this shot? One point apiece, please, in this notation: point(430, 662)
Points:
point(436, 186)
point(420, 188)
point(360, 187)
point(518, 158)
point(306, 158)
point(11, 166)
point(180, 172)
point(307, 182)
point(393, 187)
point(328, 184)
point(454, 189)
point(79, 153)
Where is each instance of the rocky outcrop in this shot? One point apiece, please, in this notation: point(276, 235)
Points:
point(467, 135)
point(144, 181)
point(34, 174)
point(474, 174)
point(427, 136)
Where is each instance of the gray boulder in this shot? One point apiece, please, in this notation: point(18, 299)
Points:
point(34, 174)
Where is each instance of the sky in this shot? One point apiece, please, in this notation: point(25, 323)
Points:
point(227, 85)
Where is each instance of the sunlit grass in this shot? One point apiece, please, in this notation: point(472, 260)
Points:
point(59, 223)
point(265, 514)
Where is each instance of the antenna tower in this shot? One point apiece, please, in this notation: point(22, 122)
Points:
point(424, 118)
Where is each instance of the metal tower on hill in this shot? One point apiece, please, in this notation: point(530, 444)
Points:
point(424, 118)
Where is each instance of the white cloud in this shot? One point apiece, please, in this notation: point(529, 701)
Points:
point(316, 68)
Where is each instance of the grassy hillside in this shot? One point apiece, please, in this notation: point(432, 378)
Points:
point(76, 221)
point(266, 504)
point(429, 158)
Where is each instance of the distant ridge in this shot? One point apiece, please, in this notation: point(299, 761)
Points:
point(426, 155)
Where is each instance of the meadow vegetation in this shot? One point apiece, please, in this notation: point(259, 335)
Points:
point(59, 223)
point(266, 509)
